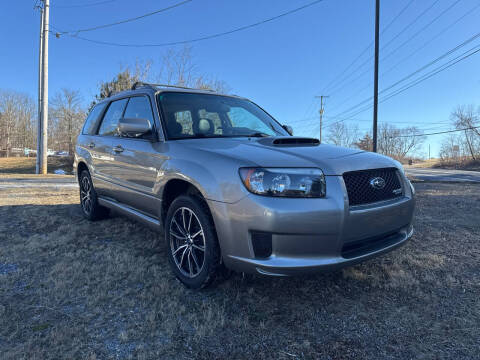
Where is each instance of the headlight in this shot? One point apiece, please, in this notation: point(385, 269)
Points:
point(284, 182)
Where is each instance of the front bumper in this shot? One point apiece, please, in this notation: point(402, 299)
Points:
point(310, 235)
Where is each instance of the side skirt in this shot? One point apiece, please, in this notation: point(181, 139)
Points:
point(153, 223)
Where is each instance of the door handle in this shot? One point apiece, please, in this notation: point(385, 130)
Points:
point(118, 149)
point(91, 145)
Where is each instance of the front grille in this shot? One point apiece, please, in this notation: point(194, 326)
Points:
point(361, 191)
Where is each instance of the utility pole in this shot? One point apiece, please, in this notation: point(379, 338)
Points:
point(39, 125)
point(321, 111)
point(44, 122)
point(429, 157)
point(375, 80)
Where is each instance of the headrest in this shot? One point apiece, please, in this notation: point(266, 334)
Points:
point(205, 126)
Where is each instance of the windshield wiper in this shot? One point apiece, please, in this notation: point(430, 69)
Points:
point(258, 134)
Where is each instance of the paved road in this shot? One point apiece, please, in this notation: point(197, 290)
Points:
point(60, 182)
point(428, 174)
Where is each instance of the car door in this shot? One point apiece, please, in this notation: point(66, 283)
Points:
point(87, 145)
point(105, 170)
point(138, 160)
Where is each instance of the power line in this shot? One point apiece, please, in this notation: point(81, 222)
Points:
point(313, 120)
point(441, 68)
point(409, 56)
point(401, 45)
point(421, 30)
point(208, 37)
point(352, 73)
point(397, 16)
point(415, 72)
point(425, 77)
point(124, 21)
point(439, 132)
point(411, 23)
point(83, 5)
point(368, 47)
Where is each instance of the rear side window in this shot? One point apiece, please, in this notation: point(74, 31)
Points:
point(92, 119)
point(139, 107)
point(111, 118)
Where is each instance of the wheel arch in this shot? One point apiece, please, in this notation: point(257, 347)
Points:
point(80, 167)
point(176, 187)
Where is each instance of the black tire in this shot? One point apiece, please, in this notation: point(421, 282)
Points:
point(184, 246)
point(89, 199)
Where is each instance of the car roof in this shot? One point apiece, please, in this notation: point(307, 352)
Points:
point(153, 90)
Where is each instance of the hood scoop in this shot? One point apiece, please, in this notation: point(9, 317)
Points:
point(291, 141)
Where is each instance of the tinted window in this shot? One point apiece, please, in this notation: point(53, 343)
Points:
point(190, 115)
point(139, 107)
point(92, 119)
point(111, 118)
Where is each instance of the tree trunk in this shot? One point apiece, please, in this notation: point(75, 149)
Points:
point(470, 146)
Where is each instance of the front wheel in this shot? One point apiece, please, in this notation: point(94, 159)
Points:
point(193, 250)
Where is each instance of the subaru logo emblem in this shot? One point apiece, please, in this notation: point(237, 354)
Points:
point(377, 183)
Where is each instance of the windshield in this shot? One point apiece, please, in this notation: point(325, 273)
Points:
point(190, 115)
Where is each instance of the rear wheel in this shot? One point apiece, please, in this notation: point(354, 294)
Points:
point(89, 200)
point(194, 253)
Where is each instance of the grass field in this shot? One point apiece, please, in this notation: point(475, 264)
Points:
point(70, 289)
point(25, 165)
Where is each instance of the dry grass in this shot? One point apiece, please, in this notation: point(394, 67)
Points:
point(78, 290)
point(470, 165)
point(423, 163)
point(24, 165)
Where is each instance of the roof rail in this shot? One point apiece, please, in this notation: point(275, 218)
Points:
point(144, 84)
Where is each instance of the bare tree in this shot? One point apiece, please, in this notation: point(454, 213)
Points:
point(17, 121)
point(394, 142)
point(342, 135)
point(177, 67)
point(398, 143)
point(66, 119)
point(465, 117)
point(452, 149)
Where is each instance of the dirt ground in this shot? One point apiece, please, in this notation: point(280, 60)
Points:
point(71, 289)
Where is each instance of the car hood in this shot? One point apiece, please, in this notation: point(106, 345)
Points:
point(271, 152)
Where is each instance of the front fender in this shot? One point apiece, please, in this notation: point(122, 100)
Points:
point(219, 182)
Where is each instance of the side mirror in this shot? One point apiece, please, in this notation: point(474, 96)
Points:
point(288, 129)
point(133, 127)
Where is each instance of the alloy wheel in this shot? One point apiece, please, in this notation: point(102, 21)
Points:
point(86, 195)
point(187, 242)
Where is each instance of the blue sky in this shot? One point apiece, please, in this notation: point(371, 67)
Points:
point(281, 65)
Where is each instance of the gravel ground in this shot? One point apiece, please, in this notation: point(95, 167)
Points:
point(70, 289)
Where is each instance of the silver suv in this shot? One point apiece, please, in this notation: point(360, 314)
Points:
point(231, 188)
